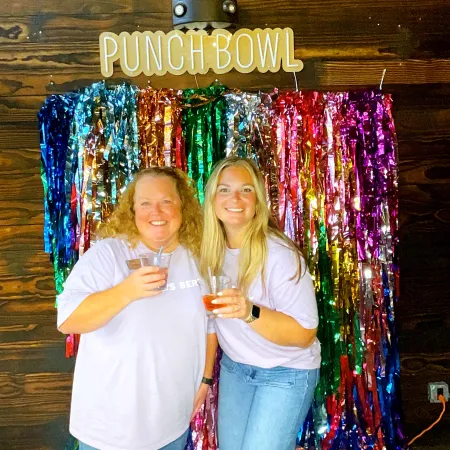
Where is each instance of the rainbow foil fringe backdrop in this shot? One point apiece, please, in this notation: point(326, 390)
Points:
point(329, 163)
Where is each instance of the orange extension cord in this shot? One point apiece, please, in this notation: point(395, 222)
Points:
point(442, 400)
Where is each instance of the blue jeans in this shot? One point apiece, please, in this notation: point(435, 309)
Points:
point(177, 444)
point(262, 409)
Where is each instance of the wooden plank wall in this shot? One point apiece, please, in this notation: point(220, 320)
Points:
point(49, 46)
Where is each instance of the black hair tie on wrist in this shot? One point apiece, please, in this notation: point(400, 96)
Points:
point(208, 381)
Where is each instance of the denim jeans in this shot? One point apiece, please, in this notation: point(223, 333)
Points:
point(177, 444)
point(262, 409)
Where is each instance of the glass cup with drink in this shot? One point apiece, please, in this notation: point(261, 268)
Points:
point(210, 288)
point(161, 260)
point(156, 259)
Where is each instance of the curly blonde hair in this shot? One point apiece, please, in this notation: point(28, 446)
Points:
point(122, 221)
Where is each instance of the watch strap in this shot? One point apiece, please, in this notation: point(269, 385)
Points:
point(254, 314)
point(208, 381)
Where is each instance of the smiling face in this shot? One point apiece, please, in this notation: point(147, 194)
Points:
point(157, 209)
point(235, 199)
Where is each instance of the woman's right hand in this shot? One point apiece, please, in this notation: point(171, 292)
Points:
point(142, 282)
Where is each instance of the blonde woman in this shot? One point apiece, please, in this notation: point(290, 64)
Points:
point(267, 325)
point(143, 351)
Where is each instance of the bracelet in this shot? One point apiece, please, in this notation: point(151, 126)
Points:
point(208, 381)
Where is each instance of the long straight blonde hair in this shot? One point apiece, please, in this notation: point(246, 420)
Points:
point(254, 248)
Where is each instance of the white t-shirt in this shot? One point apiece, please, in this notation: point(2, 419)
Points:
point(244, 345)
point(135, 379)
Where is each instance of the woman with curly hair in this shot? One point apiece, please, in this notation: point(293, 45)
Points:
point(146, 355)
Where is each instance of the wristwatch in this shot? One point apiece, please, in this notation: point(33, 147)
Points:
point(208, 381)
point(254, 314)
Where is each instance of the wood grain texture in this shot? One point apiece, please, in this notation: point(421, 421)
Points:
point(45, 355)
point(417, 370)
point(423, 313)
point(83, 7)
point(33, 398)
point(20, 109)
point(51, 435)
point(53, 71)
point(21, 213)
point(318, 75)
point(35, 261)
point(380, 32)
point(15, 237)
point(251, 12)
point(51, 46)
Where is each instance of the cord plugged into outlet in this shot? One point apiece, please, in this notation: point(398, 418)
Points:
point(437, 393)
point(435, 389)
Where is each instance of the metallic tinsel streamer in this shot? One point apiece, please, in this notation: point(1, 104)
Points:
point(159, 117)
point(204, 124)
point(55, 119)
point(204, 425)
point(343, 145)
point(329, 161)
point(105, 138)
point(89, 153)
point(204, 131)
point(249, 118)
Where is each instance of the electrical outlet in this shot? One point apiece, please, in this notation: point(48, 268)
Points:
point(435, 389)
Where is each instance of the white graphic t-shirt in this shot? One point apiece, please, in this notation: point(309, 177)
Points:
point(135, 379)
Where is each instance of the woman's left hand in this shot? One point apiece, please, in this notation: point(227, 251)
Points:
point(237, 305)
point(200, 398)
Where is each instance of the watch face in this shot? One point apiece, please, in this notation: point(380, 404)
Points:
point(255, 311)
